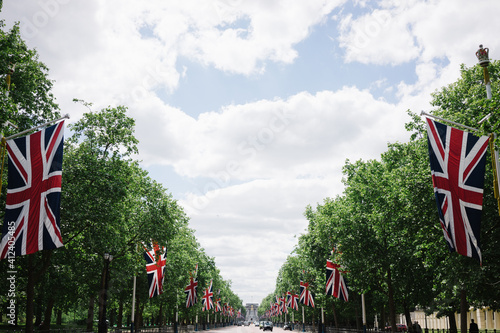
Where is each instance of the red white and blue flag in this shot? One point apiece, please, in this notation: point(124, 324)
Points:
point(292, 300)
point(190, 292)
point(457, 160)
point(335, 282)
point(218, 307)
point(155, 267)
point(283, 304)
point(207, 298)
point(306, 296)
point(32, 221)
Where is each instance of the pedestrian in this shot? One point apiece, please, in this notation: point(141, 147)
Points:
point(417, 328)
point(473, 327)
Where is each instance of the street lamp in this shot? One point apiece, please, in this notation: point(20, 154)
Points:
point(103, 294)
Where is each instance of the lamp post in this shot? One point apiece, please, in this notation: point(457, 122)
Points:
point(103, 297)
point(484, 61)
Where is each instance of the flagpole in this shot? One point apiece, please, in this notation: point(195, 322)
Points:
point(303, 320)
point(37, 127)
point(133, 305)
point(423, 113)
point(364, 312)
point(483, 56)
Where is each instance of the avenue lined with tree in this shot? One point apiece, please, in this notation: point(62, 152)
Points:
point(383, 229)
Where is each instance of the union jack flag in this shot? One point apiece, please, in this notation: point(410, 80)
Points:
point(155, 267)
point(190, 292)
point(292, 300)
point(32, 221)
point(218, 307)
point(207, 298)
point(283, 304)
point(306, 296)
point(457, 160)
point(335, 282)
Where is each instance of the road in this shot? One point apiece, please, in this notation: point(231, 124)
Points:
point(244, 329)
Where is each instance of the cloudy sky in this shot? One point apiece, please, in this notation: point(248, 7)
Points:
point(246, 110)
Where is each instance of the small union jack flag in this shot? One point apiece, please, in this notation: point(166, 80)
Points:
point(218, 307)
point(155, 267)
point(207, 298)
point(457, 161)
point(283, 304)
point(335, 283)
point(190, 291)
point(292, 300)
point(32, 221)
point(306, 296)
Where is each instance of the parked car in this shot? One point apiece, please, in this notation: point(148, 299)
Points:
point(268, 326)
point(401, 328)
point(287, 326)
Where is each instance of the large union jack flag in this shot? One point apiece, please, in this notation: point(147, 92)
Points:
point(335, 282)
point(190, 291)
point(32, 221)
point(306, 296)
point(457, 161)
point(155, 267)
point(292, 300)
point(207, 298)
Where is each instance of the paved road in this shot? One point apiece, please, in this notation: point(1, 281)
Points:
point(244, 329)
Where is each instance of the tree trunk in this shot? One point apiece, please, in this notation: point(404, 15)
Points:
point(59, 317)
point(120, 315)
point(335, 316)
point(464, 309)
point(160, 315)
point(453, 322)
point(408, 317)
point(90, 314)
point(48, 315)
point(356, 313)
point(392, 308)
point(39, 311)
point(383, 319)
point(30, 295)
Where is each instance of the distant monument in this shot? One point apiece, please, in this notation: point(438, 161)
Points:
point(252, 314)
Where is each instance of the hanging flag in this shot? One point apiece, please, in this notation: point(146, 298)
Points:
point(306, 296)
point(32, 221)
point(155, 267)
point(218, 307)
point(335, 282)
point(457, 160)
point(208, 298)
point(190, 292)
point(283, 304)
point(292, 300)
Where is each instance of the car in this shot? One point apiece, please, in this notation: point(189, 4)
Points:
point(268, 326)
point(287, 326)
point(401, 328)
point(246, 323)
point(239, 323)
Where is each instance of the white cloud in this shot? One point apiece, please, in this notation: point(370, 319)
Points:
point(398, 32)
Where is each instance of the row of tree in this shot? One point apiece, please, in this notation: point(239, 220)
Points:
point(385, 224)
point(109, 204)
